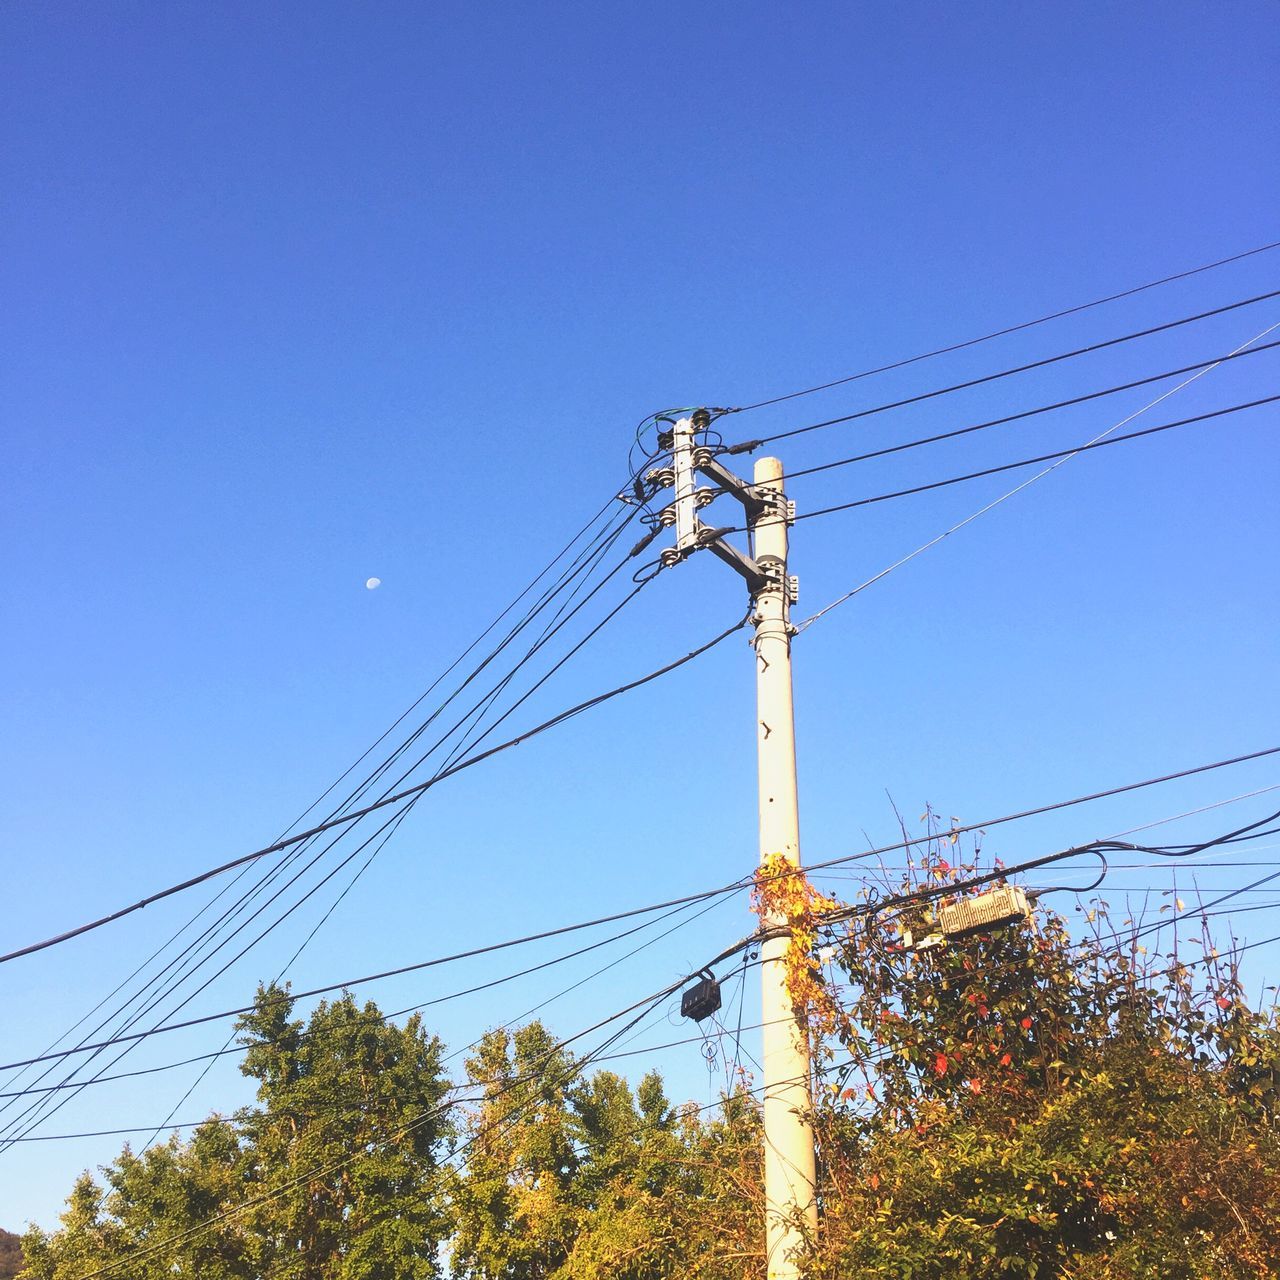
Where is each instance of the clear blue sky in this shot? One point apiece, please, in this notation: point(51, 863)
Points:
point(294, 295)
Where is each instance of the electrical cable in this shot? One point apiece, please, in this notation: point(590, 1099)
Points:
point(226, 915)
point(392, 824)
point(749, 446)
point(388, 973)
point(1126, 938)
point(511, 977)
point(1024, 462)
point(746, 882)
point(1018, 488)
point(1027, 413)
point(677, 906)
point(353, 816)
point(363, 756)
point(1017, 328)
point(645, 1005)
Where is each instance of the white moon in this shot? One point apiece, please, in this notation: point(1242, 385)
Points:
point(372, 584)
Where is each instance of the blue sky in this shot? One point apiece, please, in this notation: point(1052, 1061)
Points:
point(300, 294)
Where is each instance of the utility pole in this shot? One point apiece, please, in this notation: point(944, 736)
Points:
point(789, 1164)
point(791, 1211)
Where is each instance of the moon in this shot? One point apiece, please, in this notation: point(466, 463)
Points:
point(372, 584)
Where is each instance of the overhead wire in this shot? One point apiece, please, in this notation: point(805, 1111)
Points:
point(906, 844)
point(272, 874)
point(340, 820)
point(1018, 488)
point(748, 446)
point(1127, 938)
point(574, 1069)
point(1030, 462)
point(676, 906)
point(1010, 329)
point(387, 827)
point(644, 1006)
point(1024, 414)
point(880, 906)
point(1040, 810)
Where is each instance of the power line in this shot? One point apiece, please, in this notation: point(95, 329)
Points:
point(1027, 413)
point(1018, 488)
point(747, 446)
point(928, 893)
point(1017, 328)
point(1030, 462)
point(881, 905)
point(416, 967)
point(573, 1069)
point(49, 1105)
point(677, 905)
point(581, 564)
point(739, 885)
point(645, 1006)
point(1047, 808)
point(396, 798)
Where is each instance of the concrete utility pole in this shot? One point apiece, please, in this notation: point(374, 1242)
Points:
point(789, 1166)
point(791, 1209)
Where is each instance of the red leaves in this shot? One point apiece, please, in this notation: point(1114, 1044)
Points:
point(1025, 1024)
point(940, 1064)
point(1006, 1060)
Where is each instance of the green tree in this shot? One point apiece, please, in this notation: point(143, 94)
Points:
point(167, 1194)
point(334, 1175)
point(672, 1193)
point(582, 1179)
point(342, 1152)
point(515, 1218)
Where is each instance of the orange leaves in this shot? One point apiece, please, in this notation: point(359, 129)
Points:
point(783, 897)
point(940, 1064)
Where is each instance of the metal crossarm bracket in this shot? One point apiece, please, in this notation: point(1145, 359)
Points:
point(758, 576)
point(753, 501)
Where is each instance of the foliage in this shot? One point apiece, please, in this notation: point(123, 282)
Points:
point(10, 1255)
point(1016, 1106)
point(783, 897)
point(333, 1177)
point(358, 1099)
point(582, 1179)
point(1011, 1106)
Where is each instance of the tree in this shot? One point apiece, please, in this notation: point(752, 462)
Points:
point(515, 1218)
point(334, 1176)
point(1016, 1106)
point(675, 1193)
point(582, 1179)
point(343, 1151)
